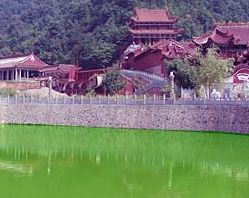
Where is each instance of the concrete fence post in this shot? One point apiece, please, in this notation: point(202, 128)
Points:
point(164, 99)
point(81, 100)
point(90, 99)
point(108, 100)
point(126, 98)
point(8, 98)
point(16, 98)
point(135, 99)
point(64, 100)
point(23, 99)
point(154, 99)
point(144, 99)
point(73, 99)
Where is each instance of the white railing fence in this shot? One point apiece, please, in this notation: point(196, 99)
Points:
point(117, 100)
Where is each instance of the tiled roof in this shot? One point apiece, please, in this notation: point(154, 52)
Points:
point(241, 66)
point(239, 31)
point(189, 48)
point(172, 49)
point(175, 32)
point(155, 15)
point(11, 62)
point(93, 70)
point(201, 40)
point(224, 33)
point(172, 46)
point(59, 68)
point(221, 37)
point(68, 67)
point(49, 69)
point(30, 62)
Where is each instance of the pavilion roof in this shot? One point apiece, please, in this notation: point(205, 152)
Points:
point(168, 32)
point(93, 71)
point(171, 49)
point(238, 33)
point(153, 15)
point(241, 66)
point(26, 61)
point(59, 68)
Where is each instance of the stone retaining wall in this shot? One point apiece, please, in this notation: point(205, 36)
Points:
point(178, 117)
point(20, 85)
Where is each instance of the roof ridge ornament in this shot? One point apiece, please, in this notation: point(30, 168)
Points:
point(32, 57)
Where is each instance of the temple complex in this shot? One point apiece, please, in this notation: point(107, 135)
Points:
point(150, 26)
point(231, 38)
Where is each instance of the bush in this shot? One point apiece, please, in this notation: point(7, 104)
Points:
point(7, 92)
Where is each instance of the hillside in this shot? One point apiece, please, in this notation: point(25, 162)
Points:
point(94, 30)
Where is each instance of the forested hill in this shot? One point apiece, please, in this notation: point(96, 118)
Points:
point(93, 30)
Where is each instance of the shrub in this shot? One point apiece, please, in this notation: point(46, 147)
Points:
point(7, 92)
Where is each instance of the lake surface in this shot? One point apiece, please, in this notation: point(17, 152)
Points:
point(71, 162)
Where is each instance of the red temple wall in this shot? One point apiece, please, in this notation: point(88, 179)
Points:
point(128, 89)
point(85, 75)
point(72, 75)
point(150, 62)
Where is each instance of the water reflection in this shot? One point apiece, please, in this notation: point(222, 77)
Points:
point(17, 168)
point(123, 163)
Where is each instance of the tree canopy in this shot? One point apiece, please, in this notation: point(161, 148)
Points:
point(94, 31)
point(112, 82)
point(212, 70)
point(185, 74)
point(208, 70)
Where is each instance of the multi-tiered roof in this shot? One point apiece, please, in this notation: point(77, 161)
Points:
point(156, 15)
point(226, 35)
point(150, 26)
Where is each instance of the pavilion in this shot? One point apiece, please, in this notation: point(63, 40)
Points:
point(150, 26)
point(20, 68)
point(231, 38)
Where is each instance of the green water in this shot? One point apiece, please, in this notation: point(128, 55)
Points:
point(62, 162)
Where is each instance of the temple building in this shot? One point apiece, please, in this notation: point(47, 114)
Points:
point(20, 68)
point(64, 72)
point(152, 59)
point(231, 38)
point(150, 26)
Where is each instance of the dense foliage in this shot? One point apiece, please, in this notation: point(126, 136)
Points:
point(112, 82)
point(212, 70)
point(185, 74)
point(205, 70)
point(94, 31)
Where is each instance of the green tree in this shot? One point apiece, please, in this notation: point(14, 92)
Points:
point(112, 82)
point(185, 74)
point(211, 69)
